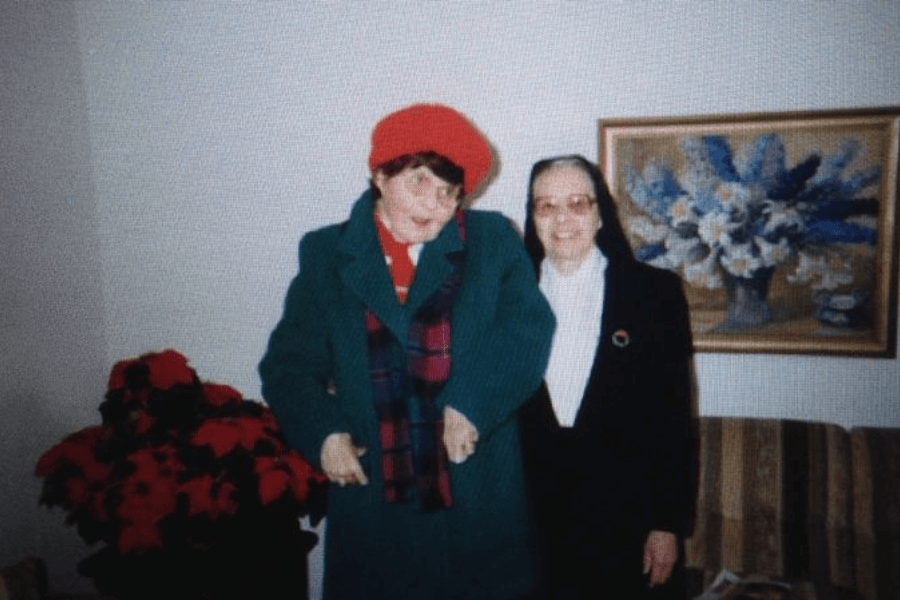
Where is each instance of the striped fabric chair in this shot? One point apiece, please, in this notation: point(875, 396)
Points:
point(799, 501)
point(876, 510)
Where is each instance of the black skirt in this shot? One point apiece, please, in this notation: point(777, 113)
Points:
point(589, 503)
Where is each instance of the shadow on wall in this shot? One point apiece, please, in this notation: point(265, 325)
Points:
point(52, 366)
point(30, 530)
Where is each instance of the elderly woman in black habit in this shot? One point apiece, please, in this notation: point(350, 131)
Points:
point(607, 438)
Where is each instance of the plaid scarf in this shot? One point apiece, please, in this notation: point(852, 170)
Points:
point(411, 427)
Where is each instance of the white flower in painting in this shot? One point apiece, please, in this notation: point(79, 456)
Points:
point(715, 229)
point(734, 197)
point(681, 211)
point(779, 216)
point(704, 273)
point(738, 259)
point(683, 250)
point(807, 267)
point(648, 230)
point(678, 251)
point(773, 255)
point(864, 221)
point(663, 261)
point(831, 280)
point(833, 270)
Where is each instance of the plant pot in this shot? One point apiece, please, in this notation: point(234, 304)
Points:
point(251, 563)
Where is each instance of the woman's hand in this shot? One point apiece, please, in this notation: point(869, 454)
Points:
point(660, 554)
point(340, 460)
point(460, 435)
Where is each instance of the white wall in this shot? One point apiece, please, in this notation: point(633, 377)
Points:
point(200, 140)
point(53, 352)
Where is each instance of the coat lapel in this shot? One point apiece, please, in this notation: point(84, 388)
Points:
point(365, 272)
point(617, 308)
point(614, 304)
point(434, 265)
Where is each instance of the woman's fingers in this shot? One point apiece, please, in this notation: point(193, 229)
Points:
point(340, 460)
point(460, 436)
point(349, 474)
point(357, 475)
point(660, 555)
point(460, 444)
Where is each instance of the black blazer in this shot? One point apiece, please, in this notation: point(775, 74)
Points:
point(631, 452)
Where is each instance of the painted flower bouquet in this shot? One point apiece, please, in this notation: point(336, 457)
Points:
point(179, 468)
point(732, 219)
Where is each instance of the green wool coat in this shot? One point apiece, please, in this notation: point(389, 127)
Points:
point(483, 546)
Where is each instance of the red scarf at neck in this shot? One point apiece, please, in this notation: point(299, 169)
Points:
point(399, 264)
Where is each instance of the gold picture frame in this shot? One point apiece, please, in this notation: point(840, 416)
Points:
point(783, 226)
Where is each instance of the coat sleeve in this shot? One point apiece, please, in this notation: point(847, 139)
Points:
point(297, 365)
point(674, 451)
point(498, 367)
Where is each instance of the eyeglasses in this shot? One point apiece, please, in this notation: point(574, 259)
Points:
point(422, 186)
point(550, 206)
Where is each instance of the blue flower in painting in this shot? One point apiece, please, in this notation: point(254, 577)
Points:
point(722, 215)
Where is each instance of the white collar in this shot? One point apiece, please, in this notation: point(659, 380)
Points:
point(586, 276)
point(577, 303)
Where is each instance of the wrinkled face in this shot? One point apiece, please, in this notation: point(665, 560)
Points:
point(566, 217)
point(415, 204)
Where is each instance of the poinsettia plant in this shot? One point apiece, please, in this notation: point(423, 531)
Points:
point(174, 462)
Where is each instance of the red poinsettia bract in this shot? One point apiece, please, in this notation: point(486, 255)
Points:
point(278, 475)
point(219, 396)
point(208, 497)
point(139, 537)
point(172, 460)
point(78, 450)
point(223, 435)
point(166, 370)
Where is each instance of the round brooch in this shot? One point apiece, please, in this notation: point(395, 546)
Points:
point(621, 338)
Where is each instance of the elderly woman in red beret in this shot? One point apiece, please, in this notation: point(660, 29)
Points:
point(410, 337)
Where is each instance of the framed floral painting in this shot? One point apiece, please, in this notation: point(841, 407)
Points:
point(783, 226)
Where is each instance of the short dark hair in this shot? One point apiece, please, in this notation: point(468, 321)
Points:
point(439, 165)
point(610, 238)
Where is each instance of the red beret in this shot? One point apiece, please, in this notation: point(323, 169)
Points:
point(435, 128)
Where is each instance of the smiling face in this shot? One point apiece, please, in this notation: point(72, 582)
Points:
point(566, 217)
point(415, 204)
